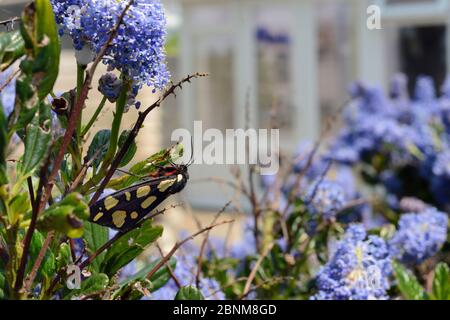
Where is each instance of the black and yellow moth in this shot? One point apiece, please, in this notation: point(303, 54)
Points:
point(123, 209)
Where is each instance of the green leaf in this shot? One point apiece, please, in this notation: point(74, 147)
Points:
point(95, 283)
point(12, 47)
point(66, 216)
point(134, 290)
point(408, 284)
point(98, 147)
point(95, 236)
point(131, 150)
point(18, 205)
point(37, 141)
point(2, 280)
point(64, 256)
point(189, 293)
point(39, 30)
point(48, 265)
point(158, 279)
point(441, 282)
point(130, 246)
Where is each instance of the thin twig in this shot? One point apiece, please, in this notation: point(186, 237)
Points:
point(30, 279)
point(252, 274)
point(180, 244)
point(205, 241)
point(9, 79)
point(135, 131)
point(172, 274)
point(270, 281)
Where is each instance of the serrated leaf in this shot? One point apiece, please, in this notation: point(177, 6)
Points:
point(441, 282)
point(95, 236)
point(408, 284)
point(189, 293)
point(130, 246)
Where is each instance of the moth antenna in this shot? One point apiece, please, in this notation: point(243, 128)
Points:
point(191, 160)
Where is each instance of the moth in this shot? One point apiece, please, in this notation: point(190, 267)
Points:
point(123, 209)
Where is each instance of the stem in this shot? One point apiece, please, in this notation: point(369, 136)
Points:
point(94, 117)
point(81, 69)
point(27, 241)
point(115, 130)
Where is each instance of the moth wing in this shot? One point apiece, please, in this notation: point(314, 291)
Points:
point(123, 209)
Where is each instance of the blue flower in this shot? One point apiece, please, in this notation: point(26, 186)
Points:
point(419, 236)
point(358, 269)
point(425, 90)
point(185, 272)
point(138, 49)
point(8, 94)
point(326, 198)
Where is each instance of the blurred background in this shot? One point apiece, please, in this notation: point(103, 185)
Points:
point(296, 57)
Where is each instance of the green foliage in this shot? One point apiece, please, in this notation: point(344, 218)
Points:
point(12, 47)
point(40, 34)
point(93, 284)
point(65, 216)
point(131, 149)
point(441, 282)
point(130, 246)
point(48, 265)
point(189, 293)
point(98, 148)
point(408, 284)
point(3, 145)
point(37, 141)
point(95, 236)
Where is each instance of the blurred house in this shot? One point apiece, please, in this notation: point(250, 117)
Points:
point(295, 59)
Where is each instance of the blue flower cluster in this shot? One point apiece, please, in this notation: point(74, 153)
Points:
point(358, 269)
point(326, 198)
point(185, 273)
point(138, 49)
point(8, 94)
point(405, 140)
point(419, 236)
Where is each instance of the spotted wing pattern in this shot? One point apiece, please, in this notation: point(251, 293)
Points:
point(123, 209)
